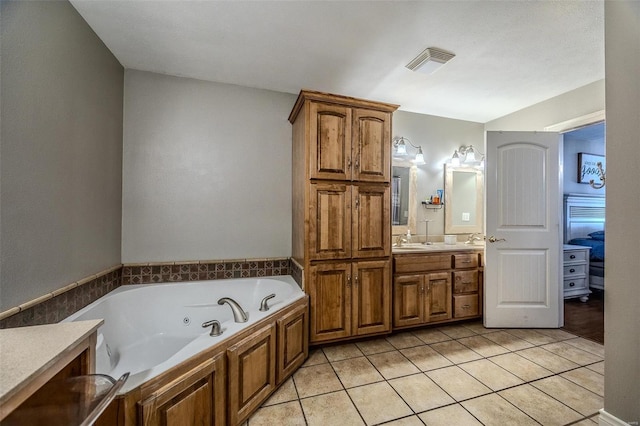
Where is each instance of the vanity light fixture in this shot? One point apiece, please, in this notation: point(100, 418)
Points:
point(469, 153)
point(400, 149)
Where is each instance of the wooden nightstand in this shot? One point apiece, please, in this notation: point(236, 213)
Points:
point(576, 272)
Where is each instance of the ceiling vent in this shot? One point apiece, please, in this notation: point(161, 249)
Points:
point(430, 60)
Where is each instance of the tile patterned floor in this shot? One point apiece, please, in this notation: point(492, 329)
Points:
point(452, 375)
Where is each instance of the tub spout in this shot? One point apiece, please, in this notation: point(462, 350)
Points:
point(239, 315)
point(216, 330)
point(264, 306)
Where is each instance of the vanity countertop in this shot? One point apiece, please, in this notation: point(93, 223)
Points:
point(435, 247)
point(28, 352)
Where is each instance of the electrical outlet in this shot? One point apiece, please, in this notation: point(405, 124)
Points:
point(466, 216)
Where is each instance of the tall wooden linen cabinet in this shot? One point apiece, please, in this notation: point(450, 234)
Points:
point(341, 232)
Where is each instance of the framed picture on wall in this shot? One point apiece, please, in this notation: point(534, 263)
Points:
point(588, 167)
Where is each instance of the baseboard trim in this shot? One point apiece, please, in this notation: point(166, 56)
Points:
point(606, 419)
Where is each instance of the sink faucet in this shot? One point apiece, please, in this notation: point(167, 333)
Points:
point(239, 315)
point(400, 240)
point(472, 238)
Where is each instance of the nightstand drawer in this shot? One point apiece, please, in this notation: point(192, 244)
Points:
point(575, 284)
point(574, 270)
point(575, 255)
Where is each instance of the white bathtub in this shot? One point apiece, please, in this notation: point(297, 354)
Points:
point(149, 328)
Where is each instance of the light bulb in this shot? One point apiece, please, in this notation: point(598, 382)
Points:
point(455, 158)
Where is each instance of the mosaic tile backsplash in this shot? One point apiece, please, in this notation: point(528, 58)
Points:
point(195, 271)
point(60, 306)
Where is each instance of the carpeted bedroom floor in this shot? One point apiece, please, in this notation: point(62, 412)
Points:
point(586, 319)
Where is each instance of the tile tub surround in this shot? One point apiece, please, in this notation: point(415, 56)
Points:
point(54, 307)
point(446, 375)
point(151, 273)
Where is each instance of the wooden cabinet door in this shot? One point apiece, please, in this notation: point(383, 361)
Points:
point(329, 142)
point(293, 342)
point(408, 300)
point(371, 223)
point(195, 398)
point(330, 304)
point(438, 296)
point(371, 297)
point(371, 145)
point(252, 372)
point(329, 221)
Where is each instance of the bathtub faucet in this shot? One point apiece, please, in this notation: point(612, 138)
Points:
point(239, 315)
point(264, 306)
point(216, 330)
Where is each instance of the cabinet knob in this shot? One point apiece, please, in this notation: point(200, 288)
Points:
point(572, 284)
point(572, 270)
point(348, 280)
point(573, 256)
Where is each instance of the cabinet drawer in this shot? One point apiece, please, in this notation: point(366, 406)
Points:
point(575, 256)
point(465, 305)
point(575, 270)
point(465, 281)
point(420, 263)
point(574, 284)
point(461, 261)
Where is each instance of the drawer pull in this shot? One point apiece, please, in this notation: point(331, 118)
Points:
point(572, 284)
point(573, 256)
point(466, 306)
point(572, 270)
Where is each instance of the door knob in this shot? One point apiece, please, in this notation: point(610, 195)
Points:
point(493, 239)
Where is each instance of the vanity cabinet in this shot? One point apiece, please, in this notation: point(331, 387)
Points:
point(197, 397)
point(435, 287)
point(341, 225)
point(423, 298)
point(351, 299)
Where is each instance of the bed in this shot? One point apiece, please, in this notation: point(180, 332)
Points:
point(584, 223)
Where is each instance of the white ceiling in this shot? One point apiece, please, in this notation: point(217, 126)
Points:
point(509, 54)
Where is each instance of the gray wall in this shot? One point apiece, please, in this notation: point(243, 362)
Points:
point(206, 170)
point(622, 296)
point(61, 151)
point(576, 103)
point(439, 137)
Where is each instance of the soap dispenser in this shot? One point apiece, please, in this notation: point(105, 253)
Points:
point(408, 236)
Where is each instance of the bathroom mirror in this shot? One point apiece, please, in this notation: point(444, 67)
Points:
point(463, 194)
point(403, 198)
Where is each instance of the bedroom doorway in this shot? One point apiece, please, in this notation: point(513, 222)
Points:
point(584, 224)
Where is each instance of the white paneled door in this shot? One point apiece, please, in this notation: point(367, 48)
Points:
point(523, 217)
